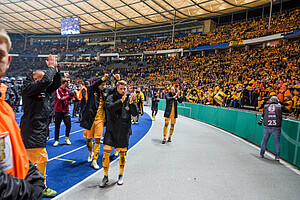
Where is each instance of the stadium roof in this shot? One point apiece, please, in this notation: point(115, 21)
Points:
point(43, 16)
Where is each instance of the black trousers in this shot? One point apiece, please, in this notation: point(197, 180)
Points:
point(154, 112)
point(82, 108)
point(76, 108)
point(59, 116)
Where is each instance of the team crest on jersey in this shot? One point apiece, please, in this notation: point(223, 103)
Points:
point(271, 108)
point(6, 158)
point(2, 147)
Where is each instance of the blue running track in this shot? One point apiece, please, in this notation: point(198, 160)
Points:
point(67, 164)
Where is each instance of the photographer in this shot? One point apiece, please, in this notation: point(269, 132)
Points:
point(272, 118)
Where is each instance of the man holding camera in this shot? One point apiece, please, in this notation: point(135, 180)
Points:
point(272, 118)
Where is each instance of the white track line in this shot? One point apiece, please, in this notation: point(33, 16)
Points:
point(286, 164)
point(67, 153)
point(92, 175)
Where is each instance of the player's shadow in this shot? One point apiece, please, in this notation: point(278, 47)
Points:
point(108, 185)
point(156, 141)
point(76, 164)
point(64, 144)
point(266, 159)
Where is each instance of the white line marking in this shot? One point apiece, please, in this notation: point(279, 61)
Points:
point(92, 175)
point(67, 153)
point(286, 164)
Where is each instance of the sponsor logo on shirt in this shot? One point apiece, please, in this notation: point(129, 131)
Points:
point(6, 157)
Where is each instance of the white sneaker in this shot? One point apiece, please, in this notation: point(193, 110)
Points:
point(95, 165)
point(90, 158)
point(120, 180)
point(104, 181)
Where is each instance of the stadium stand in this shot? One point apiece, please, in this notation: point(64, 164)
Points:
point(238, 31)
point(223, 77)
point(285, 22)
point(242, 75)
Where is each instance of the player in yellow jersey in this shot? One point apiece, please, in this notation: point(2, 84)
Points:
point(120, 107)
point(171, 112)
point(140, 102)
point(93, 118)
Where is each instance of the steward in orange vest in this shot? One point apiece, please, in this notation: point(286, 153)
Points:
point(76, 102)
point(83, 97)
point(3, 89)
point(83, 93)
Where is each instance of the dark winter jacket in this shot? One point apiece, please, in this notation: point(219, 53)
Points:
point(22, 189)
point(93, 101)
point(36, 104)
point(170, 100)
point(118, 125)
point(154, 105)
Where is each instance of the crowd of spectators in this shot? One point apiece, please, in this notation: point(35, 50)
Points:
point(21, 66)
point(237, 78)
point(253, 28)
point(244, 78)
point(18, 47)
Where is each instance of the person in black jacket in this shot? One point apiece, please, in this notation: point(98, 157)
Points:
point(16, 91)
point(171, 112)
point(93, 118)
point(36, 92)
point(19, 83)
point(19, 179)
point(119, 107)
point(17, 189)
point(11, 94)
point(154, 105)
